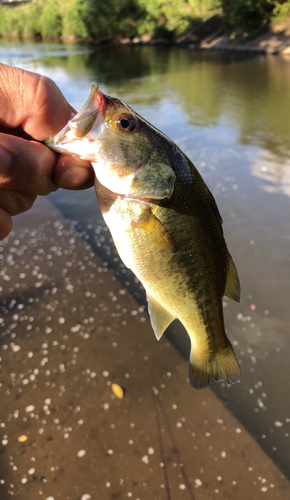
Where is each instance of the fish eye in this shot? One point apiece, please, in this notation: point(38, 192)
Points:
point(126, 123)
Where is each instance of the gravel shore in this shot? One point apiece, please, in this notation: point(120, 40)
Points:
point(68, 331)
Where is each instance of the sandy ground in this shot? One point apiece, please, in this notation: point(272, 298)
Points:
point(68, 331)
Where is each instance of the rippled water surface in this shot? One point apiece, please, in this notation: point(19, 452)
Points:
point(230, 114)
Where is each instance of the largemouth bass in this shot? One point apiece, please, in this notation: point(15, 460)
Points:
point(165, 224)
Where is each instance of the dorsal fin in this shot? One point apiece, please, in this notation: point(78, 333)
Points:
point(159, 317)
point(232, 286)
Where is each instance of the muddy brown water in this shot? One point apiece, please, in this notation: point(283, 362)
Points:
point(230, 114)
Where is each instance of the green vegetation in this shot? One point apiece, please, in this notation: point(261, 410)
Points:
point(252, 17)
point(101, 19)
point(105, 19)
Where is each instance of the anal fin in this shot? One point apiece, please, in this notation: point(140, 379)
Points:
point(232, 286)
point(159, 317)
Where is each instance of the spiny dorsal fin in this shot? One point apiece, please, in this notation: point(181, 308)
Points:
point(159, 317)
point(232, 287)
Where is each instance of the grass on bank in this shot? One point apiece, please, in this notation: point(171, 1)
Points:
point(99, 19)
point(103, 19)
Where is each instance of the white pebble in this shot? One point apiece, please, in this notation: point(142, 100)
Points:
point(198, 483)
point(105, 373)
point(145, 459)
point(238, 430)
point(278, 424)
point(86, 496)
point(29, 408)
point(81, 453)
point(75, 329)
point(182, 486)
point(150, 451)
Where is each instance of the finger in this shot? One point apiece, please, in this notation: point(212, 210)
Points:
point(26, 165)
point(32, 101)
point(15, 202)
point(5, 223)
point(73, 173)
point(31, 167)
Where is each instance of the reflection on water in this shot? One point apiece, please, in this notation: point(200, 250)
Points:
point(274, 173)
point(230, 114)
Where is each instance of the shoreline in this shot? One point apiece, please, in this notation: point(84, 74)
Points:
point(270, 43)
point(273, 42)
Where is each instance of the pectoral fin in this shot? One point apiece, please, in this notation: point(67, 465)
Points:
point(156, 232)
point(159, 317)
point(232, 287)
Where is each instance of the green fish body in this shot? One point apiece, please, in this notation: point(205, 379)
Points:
point(166, 227)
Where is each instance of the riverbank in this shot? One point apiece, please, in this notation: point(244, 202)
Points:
point(258, 26)
point(70, 330)
point(275, 41)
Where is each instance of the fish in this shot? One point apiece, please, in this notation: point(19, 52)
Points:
point(165, 224)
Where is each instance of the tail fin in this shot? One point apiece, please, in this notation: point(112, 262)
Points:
point(222, 365)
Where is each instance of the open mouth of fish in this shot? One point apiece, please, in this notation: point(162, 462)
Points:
point(74, 138)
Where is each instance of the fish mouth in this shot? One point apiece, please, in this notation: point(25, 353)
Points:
point(90, 116)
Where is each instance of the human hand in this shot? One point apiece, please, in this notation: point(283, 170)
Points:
point(32, 108)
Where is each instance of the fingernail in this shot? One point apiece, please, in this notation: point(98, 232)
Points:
point(74, 177)
point(5, 162)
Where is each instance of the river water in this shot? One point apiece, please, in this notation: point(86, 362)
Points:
point(230, 114)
